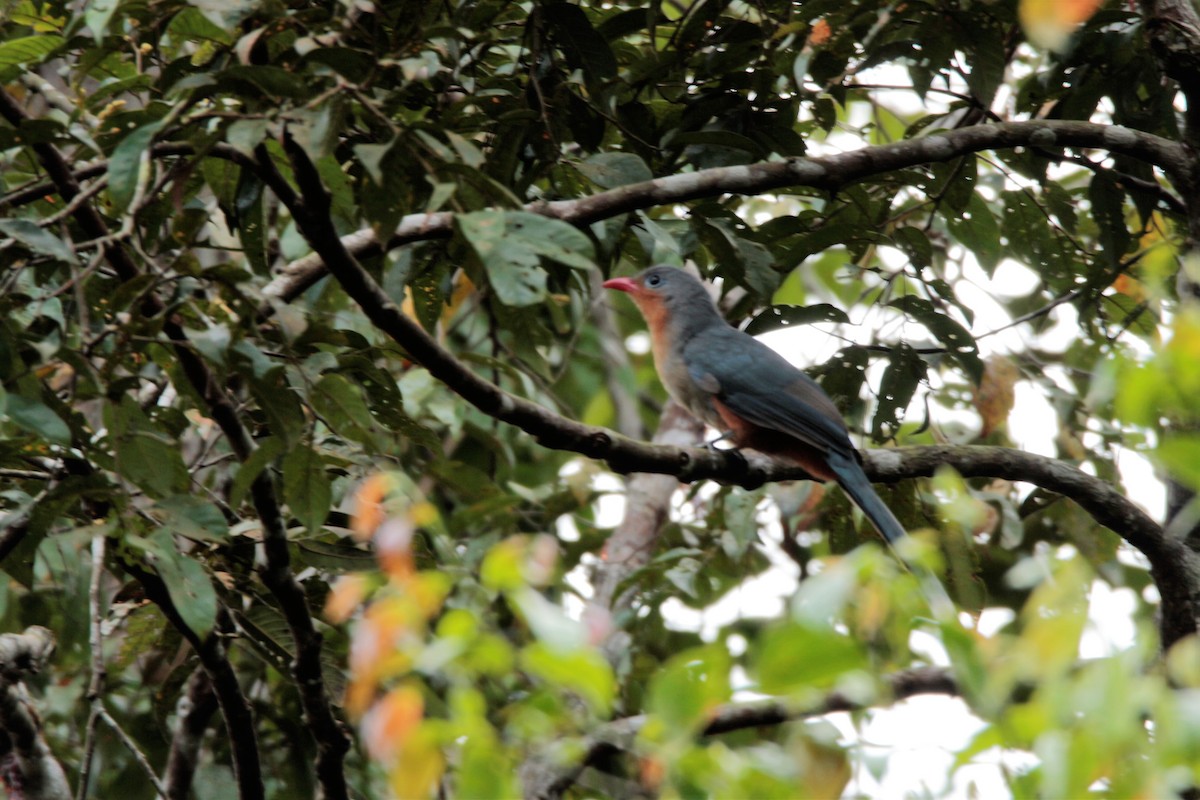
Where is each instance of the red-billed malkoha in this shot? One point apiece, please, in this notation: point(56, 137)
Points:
point(746, 390)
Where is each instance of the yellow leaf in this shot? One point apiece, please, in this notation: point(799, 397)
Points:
point(1050, 23)
point(418, 767)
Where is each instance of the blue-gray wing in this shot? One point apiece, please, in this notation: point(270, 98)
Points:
point(761, 387)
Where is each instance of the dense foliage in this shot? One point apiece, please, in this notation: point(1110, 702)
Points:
point(314, 413)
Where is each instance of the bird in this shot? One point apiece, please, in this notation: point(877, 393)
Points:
point(745, 390)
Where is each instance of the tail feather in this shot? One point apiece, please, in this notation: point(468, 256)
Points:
point(853, 480)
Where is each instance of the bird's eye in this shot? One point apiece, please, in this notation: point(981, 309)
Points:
point(654, 280)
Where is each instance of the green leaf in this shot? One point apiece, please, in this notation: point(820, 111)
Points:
point(267, 451)
point(957, 340)
point(28, 49)
point(98, 15)
point(37, 418)
point(268, 634)
point(977, 229)
point(37, 239)
point(280, 405)
point(212, 342)
point(187, 581)
point(511, 244)
point(583, 671)
point(748, 262)
point(188, 515)
point(915, 244)
point(1177, 452)
point(777, 317)
point(335, 556)
point(548, 621)
point(1108, 208)
point(340, 403)
point(688, 687)
point(270, 80)
point(610, 170)
point(130, 164)
point(581, 45)
point(896, 389)
point(145, 455)
point(306, 487)
point(795, 656)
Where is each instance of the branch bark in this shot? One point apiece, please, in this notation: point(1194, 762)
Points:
point(196, 707)
point(214, 659)
point(632, 544)
point(1173, 27)
point(828, 173)
point(26, 761)
point(1173, 565)
point(545, 781)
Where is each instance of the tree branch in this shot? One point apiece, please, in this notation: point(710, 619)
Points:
point(828, 173)
point(239, 720)
point(26, 762)
point(39, 191)
point(1173, 27)
point(195, 709)
point(632, 544)
point(332, 742)
point(545, 781)
point(1175, 567)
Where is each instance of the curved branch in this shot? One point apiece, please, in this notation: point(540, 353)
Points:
point(1174, 566)
point(543, 781)
point(214, 660)
point(825, 172)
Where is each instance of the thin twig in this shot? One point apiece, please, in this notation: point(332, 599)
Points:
point(133, 748)
point(95, 692)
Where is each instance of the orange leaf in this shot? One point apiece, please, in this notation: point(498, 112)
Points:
point(391, 721)
point(368, 506)
point(820, 33)
point(1131, 287)
point(1050, 23)
point(344, 597)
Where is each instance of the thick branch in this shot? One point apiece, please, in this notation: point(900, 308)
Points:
point(1173, 27)
point(26, 763)
point(1175, 567)
point(632, 544)
point(826, 173)
point(544, 781)
point(196, 708)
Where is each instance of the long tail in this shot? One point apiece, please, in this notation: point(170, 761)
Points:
point(853, 480)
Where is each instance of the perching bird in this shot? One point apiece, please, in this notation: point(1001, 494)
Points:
point(746, 390)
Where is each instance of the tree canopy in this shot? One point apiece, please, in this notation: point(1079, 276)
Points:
point(328, 468)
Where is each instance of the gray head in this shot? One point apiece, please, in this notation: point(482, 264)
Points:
point(669, 296)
